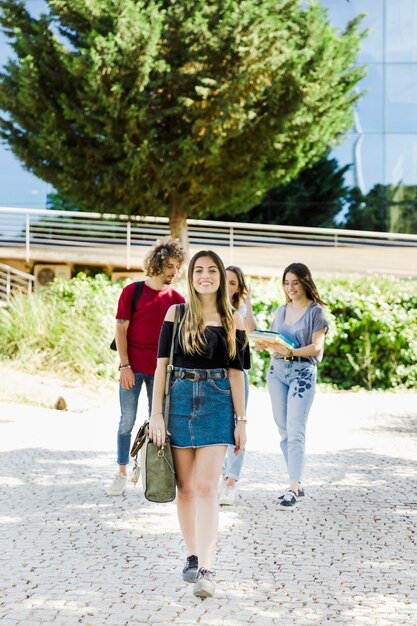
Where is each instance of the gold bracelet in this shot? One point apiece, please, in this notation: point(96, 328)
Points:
point(241, 418)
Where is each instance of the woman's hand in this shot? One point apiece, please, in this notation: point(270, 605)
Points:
point(247, 296)
point(281, 350)
point(157, 429)
point(240, 437)
point(265, 345)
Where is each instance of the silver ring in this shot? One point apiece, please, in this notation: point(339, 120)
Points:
point(158, 433)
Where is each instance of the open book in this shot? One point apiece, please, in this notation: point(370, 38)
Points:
point(272, 337)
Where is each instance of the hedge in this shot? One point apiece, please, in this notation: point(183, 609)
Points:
point(371, 344)
point(372, 340)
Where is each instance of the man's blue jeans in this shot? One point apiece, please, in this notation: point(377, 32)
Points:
point(232, 465)
point(292, 387)
point(129, 399)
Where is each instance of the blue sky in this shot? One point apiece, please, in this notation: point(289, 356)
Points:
point(19, 188)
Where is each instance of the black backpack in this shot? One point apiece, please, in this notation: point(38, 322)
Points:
point(136, 296)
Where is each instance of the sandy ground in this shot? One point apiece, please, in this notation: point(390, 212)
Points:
point(45, 388)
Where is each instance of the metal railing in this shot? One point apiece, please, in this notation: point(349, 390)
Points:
point(30, 228)
point(14, 281)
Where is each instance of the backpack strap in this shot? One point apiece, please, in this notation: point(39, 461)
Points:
point(136, 296)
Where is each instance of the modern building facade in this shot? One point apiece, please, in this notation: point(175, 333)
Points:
point(382, 145)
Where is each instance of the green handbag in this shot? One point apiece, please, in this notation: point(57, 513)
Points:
point(156, 463)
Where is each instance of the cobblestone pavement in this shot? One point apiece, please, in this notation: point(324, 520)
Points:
point(346, 555)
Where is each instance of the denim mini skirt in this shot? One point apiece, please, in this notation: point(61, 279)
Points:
point(201, 410)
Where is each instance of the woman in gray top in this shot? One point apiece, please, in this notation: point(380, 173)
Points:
point(292, 372)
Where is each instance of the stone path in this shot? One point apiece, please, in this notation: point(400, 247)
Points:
point(346, 555)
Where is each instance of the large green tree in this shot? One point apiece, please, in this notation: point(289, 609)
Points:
point(314, 198)
point(174, 107)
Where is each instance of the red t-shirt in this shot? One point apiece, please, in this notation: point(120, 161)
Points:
point(145, 326)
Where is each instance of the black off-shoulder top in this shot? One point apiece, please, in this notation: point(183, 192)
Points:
point(215, 355)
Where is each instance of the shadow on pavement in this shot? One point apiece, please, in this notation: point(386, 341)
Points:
point(346, 551)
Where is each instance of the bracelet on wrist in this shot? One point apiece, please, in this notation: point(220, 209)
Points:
point(127, 366)
point(241, 418)
point(157, 413)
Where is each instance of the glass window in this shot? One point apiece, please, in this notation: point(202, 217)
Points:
point(341, 11)
point(401, 97)
point(370, 106)
point(401, 28)
point(366, 154)
point(343, 154)
point(401, 159)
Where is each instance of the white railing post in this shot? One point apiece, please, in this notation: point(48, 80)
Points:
point(128, 244)
point(336, 240)
point(231, 241)
point(27, 237)
point(8, 285)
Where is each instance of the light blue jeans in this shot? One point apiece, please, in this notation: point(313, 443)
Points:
point(232, 465)
point(292, 387)
point(129, 399)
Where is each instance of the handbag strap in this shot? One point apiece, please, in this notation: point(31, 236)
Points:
point(170, 366)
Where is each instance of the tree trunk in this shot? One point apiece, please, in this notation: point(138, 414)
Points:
point(178, 225)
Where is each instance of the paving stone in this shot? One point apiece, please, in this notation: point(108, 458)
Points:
point(69, 554)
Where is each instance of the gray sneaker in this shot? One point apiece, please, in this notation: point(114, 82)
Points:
point(118, 485)
point(204, 586)
point(189, 573)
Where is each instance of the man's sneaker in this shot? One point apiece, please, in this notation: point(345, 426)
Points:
point(189, 573)
point(118, 485)
point(289, 501)
point(204, 586)
point(228, 496)
point(301, 494)
point(221, 487)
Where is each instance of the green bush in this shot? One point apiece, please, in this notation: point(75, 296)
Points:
point(372, 340)
point(371, 344)
point(66, 327)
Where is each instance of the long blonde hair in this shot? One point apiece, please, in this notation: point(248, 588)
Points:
point(192, 337)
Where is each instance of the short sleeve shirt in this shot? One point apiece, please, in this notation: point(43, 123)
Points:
point(215, 354)
point(301, 333)
point(145, 326)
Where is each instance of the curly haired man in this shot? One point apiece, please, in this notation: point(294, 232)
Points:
point(137, 338)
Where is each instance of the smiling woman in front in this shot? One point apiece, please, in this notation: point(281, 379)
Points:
point(207, 407)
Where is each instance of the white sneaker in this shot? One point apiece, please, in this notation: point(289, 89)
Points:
point(222, 486)
point(118, 485)
point(228, 496)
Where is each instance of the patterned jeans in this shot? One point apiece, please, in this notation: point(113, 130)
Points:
point(291, 388)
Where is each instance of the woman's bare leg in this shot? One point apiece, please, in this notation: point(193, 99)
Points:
point(208, 465)
point(184, 461)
